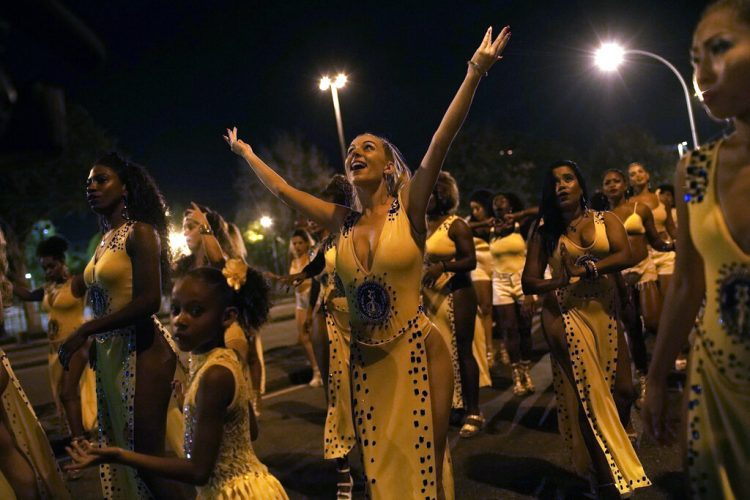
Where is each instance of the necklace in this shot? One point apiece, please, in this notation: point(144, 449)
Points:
point(578, 220)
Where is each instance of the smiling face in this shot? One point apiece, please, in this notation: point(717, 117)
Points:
point(567, 188)
point(300, 246)
point(638, 176)
point(198, 315)
point(613, 186)
point(721, 63)
point(54, 268)
point(104, 190)
point(367, 161)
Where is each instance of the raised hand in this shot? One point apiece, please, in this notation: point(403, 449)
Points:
point(489, 51)
point(238, 146)
point(195, 213)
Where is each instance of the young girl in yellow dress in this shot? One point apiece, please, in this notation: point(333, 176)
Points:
point(219, 457)
point(400, 370)
point(579, 319)
point(74, 390)
point(713, 261)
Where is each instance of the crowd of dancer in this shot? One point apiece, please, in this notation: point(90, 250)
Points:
point(403, 307)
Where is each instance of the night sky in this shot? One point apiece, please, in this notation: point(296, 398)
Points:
point(178, 73)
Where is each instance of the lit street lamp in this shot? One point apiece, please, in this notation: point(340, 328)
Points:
point(266, 222)
point(610, 55)
point(325, 84)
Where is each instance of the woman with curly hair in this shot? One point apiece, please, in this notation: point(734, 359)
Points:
point(74, 393)
point(401, 368)
point(134, 362)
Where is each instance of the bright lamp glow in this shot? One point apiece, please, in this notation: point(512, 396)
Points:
point(609, 56)
point(325, 83)
point(340, 80)
point(266, 222)
point(178, 244)
point(27, 276)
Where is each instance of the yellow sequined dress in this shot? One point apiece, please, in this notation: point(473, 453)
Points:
point(588, 311)
point(30, 439)
point(238, 474)
point(109, 278)
point(339, 435)
point(391, 402)
point(718, 440)
point(65, 315)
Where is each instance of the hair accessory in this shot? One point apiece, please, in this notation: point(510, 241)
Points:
point(235, 271)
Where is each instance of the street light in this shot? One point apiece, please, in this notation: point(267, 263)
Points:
point(266, 222)
point(338, 83)
point(611, 55)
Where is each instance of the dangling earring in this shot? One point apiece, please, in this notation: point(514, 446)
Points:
point(124, 213)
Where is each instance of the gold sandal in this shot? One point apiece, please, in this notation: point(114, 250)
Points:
point(472, 425)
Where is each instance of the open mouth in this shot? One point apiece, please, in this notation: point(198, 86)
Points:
point(357, 165)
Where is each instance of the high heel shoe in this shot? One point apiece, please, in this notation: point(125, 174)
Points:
point(344, 490)
point(527, 382)
point(472, 426)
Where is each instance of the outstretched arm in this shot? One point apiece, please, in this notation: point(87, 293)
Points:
point(329, 215)
point(27, 295)
point(653, 236)
point(420, 188)
point(681, 306)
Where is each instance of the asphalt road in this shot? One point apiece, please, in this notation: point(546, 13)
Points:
point(519, 455)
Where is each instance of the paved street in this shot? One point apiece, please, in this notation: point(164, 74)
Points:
point(519, 455)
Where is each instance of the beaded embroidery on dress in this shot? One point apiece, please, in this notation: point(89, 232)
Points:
point(238, 474)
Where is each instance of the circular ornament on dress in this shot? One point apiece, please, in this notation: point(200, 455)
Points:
point(734, 300)
point(373, 302)
point(99, 300)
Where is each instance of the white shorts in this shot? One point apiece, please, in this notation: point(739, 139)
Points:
point(506, 289)
point(483, 271)
point(664, 261)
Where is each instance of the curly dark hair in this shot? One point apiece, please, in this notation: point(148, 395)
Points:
point(145, 202)
point(484, 198)
point(339, 190)
point(252, 300)
point(740, 7)
point(549, 208)
point(514, 201)
point(54, 246)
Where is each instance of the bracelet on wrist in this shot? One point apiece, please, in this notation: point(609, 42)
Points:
point(477, 68)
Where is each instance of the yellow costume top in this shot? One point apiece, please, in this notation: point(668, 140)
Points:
point(634, 223)
point(483, 271)
point(719, 383)
point(389, 362)
point(508, 253)
point(64, 309)
point(591, 328)
point(238, 473)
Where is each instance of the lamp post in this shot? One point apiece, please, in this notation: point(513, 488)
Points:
point(338, 83)
point(610, 55)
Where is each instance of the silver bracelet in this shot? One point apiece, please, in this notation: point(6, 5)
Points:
point(476, 67)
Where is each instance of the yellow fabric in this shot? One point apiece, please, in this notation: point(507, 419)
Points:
point(591, 328)
point(65, 315)
point(483, 271)
point(237, 474)
point(508, 253)
point(30, 439)
point(719, 379)
point(438, 299)
point(391, 401)
point(634, 223)
point(660, 216)
point(479, 350)
point(339, 436)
